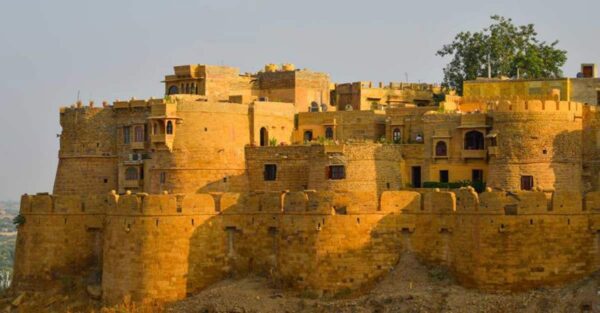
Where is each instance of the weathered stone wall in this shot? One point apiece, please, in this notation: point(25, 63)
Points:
point(368, 167)
point(538, 138)
point(167, 246)
point(87, 157)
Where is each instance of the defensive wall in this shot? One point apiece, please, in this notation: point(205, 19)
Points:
point(168, 246)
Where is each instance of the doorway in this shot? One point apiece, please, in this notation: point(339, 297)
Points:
point(416, 176)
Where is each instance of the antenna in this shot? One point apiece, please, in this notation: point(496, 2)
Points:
point(77, 95)
point(489, 66)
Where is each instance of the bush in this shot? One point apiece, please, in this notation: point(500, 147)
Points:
point(273, 142)
point(19, 220)
point(479, 186)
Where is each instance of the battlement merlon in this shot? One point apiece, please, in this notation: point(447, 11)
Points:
point(463, 200)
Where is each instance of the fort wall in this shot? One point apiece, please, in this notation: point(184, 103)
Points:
point(168, 246)
point(87, 157)
point(542, 139)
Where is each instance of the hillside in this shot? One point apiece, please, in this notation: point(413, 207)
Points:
point(8, 235)
point(410, 287)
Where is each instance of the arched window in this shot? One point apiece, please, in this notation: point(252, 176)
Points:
point(187, 88)
point(329, 133)
point(314, 107)
point(173, 90)
point(264, 137)
point(441, 149)
point(474, 140)
point(308, 136)
point(139, 134)
point(396, 135)
point(169, 128)
point(131, 173)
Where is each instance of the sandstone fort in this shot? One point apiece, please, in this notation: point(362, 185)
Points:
point(320, 186)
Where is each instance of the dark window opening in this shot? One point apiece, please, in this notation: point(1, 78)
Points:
point(477, 175)
point(314, 107)
point(493, 142)
point(441, 149)
point(126, 135)
point(416, 176)
point(336, 172)
point(329, 133)
point(173, 90)
point(397, 136)
point(163, 177)
point(598, 97)
point(270, 172)
point(264, 137)
point(308, 136)
point(474, 140)
point(444, 176)
point(526, 182)
point(131, 173)
point(169, 128)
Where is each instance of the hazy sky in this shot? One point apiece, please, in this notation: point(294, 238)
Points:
point(117, 49)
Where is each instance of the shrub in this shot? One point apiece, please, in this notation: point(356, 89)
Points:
point(273, 142)
point(479, 186)
point(19, 220)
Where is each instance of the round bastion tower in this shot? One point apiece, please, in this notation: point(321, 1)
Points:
point(535, 144)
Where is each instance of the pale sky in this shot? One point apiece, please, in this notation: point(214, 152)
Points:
point(116, 49)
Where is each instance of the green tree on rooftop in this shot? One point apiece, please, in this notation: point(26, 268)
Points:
point(501, 49)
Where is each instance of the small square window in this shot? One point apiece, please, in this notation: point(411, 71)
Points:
point(270, 172)
point(526, 182)
point(336, 172)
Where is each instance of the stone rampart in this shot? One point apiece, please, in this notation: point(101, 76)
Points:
point(168, 246)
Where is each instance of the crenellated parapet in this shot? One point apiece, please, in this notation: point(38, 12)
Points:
point(493, 240)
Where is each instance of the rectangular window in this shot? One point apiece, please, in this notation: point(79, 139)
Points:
point(444, 176)
point(336, 172)
point(598, 97)
point(163, 177)
point(477, 175)
point(526, 182)
point(139, 134)
point(126, 135)
point(270, 172)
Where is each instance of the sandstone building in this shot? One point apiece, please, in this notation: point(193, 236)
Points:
point(318, 185)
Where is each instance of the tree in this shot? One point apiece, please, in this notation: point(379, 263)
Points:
point(502, 49)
